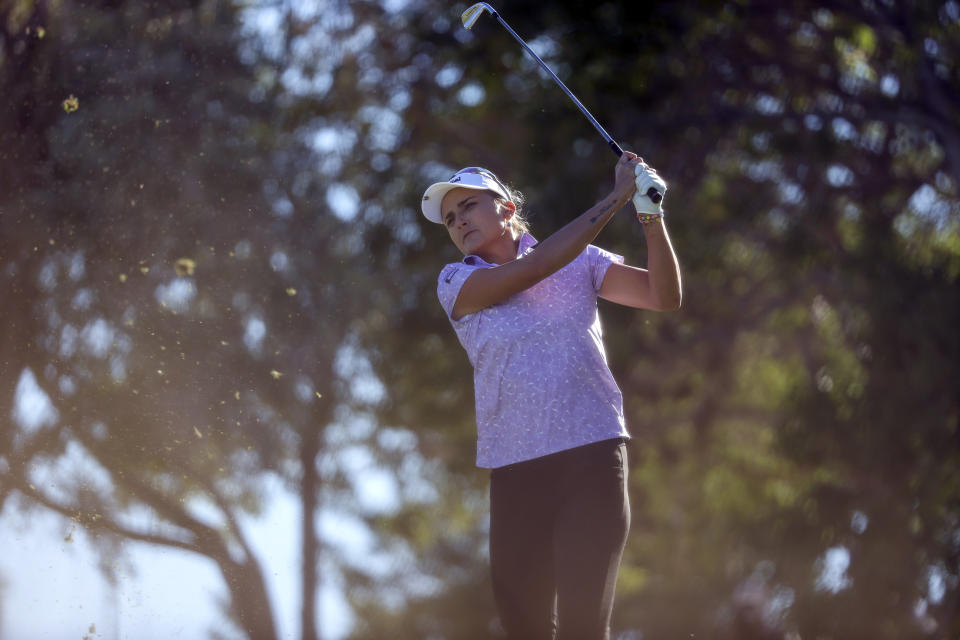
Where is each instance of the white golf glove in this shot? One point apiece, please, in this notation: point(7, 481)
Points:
point(647, 177)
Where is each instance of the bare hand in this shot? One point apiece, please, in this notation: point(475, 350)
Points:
point(625, 174)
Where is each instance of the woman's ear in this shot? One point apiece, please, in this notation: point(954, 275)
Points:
point(507, 209)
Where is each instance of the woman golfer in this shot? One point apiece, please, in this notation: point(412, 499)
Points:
point(549, 413)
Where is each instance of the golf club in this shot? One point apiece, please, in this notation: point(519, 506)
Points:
point(470, 17)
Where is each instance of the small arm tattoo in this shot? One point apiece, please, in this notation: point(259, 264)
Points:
point(603, 211)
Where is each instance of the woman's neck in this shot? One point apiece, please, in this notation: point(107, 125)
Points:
point(503, 251)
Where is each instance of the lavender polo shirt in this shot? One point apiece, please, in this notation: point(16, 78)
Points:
point(541, 379)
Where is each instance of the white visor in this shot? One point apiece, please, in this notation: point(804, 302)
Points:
point(468, 178)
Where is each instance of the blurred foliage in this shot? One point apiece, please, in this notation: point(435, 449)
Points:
point(214, 266)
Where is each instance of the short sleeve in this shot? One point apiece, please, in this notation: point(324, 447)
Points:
point(450, 282)
point(599, 261)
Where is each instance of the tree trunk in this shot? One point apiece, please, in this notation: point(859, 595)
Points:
point(310, 544)
point(250, 603)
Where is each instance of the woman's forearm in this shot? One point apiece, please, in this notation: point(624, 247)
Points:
point(662, 266)
point(570, 240)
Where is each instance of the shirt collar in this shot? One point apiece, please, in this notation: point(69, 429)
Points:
point(526, 245)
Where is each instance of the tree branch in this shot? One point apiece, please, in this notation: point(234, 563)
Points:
point(90, 519)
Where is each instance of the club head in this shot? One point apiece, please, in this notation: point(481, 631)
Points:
point(471, 15)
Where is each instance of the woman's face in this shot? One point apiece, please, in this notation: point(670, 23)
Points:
point(477, 221)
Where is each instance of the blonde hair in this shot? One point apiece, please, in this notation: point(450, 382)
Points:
point(518, 222)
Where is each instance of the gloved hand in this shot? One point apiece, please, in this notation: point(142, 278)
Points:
point(647, 177)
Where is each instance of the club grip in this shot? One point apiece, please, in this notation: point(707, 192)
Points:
point(654, 195)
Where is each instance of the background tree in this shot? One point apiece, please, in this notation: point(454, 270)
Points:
point(176, 279)
point(122, 161)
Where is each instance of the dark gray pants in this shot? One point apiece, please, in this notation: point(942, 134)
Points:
point(558, 526)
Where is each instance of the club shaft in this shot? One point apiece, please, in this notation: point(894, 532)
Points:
point(606, 136)
point(652, 193)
